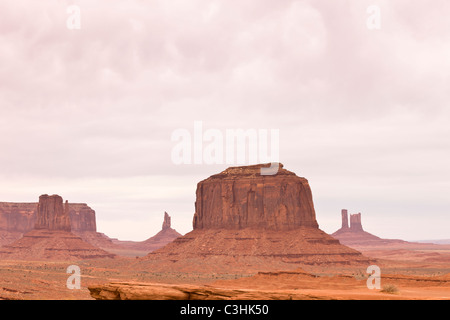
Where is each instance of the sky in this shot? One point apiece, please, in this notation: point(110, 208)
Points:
point(88, 113)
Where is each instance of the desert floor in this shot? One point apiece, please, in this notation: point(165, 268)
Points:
point(413, 271)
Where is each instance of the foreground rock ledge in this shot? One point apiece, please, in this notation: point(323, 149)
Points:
point(280, 285)
point(158, 291)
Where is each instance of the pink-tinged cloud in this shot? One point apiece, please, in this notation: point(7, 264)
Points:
point(363, 114)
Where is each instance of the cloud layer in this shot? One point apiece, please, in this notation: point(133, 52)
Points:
point(363, 114)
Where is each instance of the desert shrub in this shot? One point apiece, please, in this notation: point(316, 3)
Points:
point(390, 288)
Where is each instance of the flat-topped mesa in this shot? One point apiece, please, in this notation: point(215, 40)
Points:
point(51, 238)
point(52, 214)
point(21, 217)
point(240, 197)
point(355, 222)
point(246, 221)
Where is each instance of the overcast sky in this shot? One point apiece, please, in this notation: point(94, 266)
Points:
point(362, 113)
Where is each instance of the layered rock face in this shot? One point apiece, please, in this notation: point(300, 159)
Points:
point(279, 285)
point(51, 237)
point(240, 197)
point(52, 214)
point(21, 217)
point(17, 217)
point(159, 291)
point(7, 237)
point(82, 218)
point(246, 222)
point(15, 220)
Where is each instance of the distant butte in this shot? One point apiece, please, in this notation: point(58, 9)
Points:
point(19, 218)
point(51, 237)
point(247, 221)
point(355, 234)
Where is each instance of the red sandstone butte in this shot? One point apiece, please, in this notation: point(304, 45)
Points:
point(247, 222)
point(51, 237)
point(240, 197)
point(19, 218)
point(52, 214)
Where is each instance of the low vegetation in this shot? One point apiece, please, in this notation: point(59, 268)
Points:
point(390, 288)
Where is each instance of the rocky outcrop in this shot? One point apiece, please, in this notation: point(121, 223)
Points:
point(292, 285)
point(21, 217)
point(355, 235)
point(246, 222)
point(240, 197)
point(159, 291)
point(344, 214)
point(51, 237)
point(52, 214)
point(163, 237)
point(355, 222)
point(166, 222)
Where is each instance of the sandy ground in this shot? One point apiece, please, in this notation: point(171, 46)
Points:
point(414, 272)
